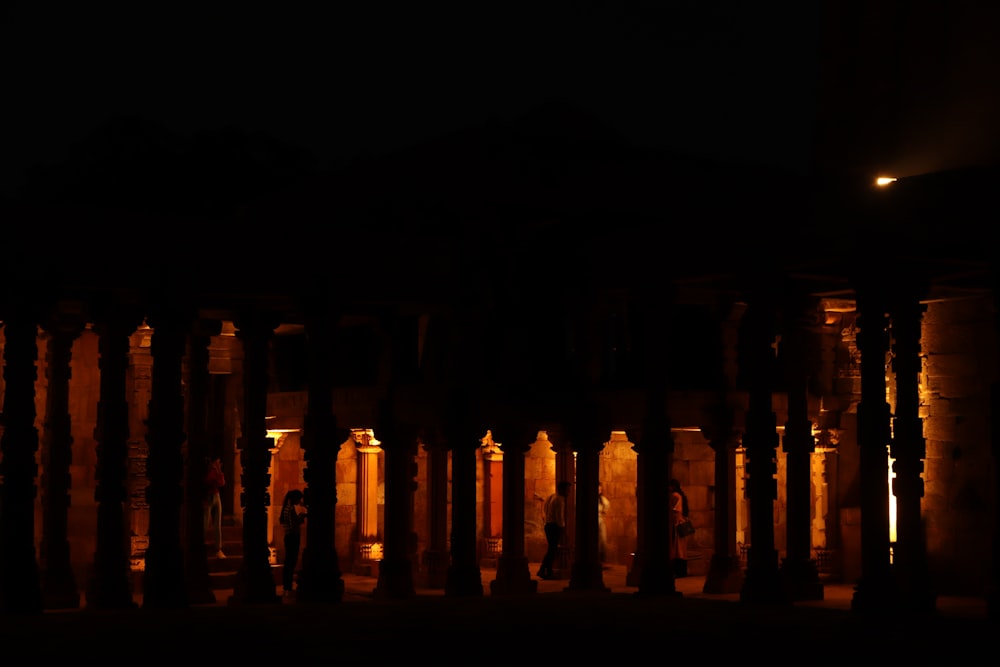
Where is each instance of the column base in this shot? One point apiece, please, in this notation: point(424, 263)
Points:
point(464, 581)
point(513, 577)
point(725, 575)
point(588, 578)
point(763, 586)
point(395, 580)
point(801, 579)
point(435, 573)
point(875, 596)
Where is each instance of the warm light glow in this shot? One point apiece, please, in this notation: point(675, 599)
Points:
point(883, 181)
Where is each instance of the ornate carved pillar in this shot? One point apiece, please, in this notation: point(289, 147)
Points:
point(875, 591)
point(513, 574)
point(109, 586)
point(798, 569)
point(59, 587)
point(20, 590)
point(254, 579)
point(492, 500)
point(321, 579)
point(163, 582)
point(437, 556)
point(368, 450)
point(588, 441)
point(762, 582)
point(198, 581)
point(395, 575)
point(909, 449)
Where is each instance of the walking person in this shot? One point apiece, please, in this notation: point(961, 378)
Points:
point(603, 504)
point(555, 527)
point(681, 528)
point(293, 515)
point(215, 479)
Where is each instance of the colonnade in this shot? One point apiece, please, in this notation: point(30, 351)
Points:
point(175, 574)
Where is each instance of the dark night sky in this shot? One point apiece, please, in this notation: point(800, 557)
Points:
point(719, 78)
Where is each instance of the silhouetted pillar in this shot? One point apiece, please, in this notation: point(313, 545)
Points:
point(565, 472)
point(588, 441)
point(465, 578)
point(59, 587)
point(513, 574)
point(163, 581)
point(762, 582)
point(725, 572)
point(908, 449)
point(199, 583)
point(20, 591)
point(321, 579)
point(109, 586)
point(798, 569)
point(993, 590)
point(395, 574)
point(875, 591)
point(437, 556)
point(254, 579)
point(654, 446)
point(652, 567)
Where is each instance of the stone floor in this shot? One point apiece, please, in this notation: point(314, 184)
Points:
point(618, 626)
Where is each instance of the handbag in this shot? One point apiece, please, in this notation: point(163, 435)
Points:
point(685, 528)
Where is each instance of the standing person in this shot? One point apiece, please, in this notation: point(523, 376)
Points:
point(293, 515)
point(678, 538)
point(603, 504)
point(555, 527)
point(215, 479)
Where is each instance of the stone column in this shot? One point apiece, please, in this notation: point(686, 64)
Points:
point(993, 591)
point(395, 574)
point(909, 450)
point(513, 574)
point(654, 446)
point(588, 440)
point(109, 585)
point(762, 582)
point(725, 573)
point(798, 569)
point(199, 584)
point(465, 579)
point(163, 581)
point(492, 501)
point(652, 569)
point(875, 591)
point(59, 587)
point(20, 591)
point(565, 472)
point(254, 579)
point(321, 579)
point(368, 450)
point(437, 556)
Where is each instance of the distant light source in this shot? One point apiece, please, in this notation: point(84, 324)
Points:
point(883, 181)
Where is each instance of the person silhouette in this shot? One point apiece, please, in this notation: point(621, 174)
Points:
point(555, 527)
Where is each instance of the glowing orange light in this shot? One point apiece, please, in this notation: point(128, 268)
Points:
point(883, 181)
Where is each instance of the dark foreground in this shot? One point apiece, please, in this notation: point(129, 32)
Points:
point(618, 627)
